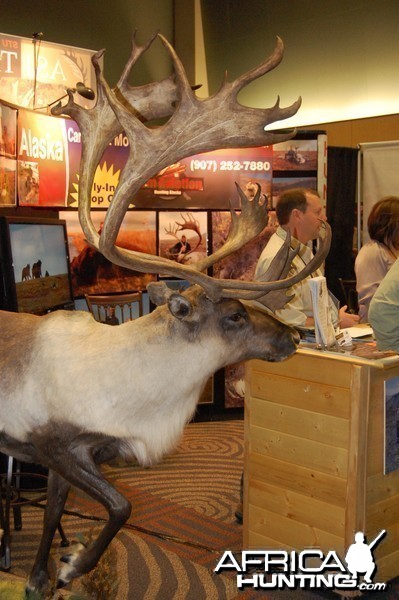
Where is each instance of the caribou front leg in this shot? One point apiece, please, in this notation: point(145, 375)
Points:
point(79, 468)
point(57, 493)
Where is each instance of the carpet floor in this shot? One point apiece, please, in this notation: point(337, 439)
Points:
point(182, 522)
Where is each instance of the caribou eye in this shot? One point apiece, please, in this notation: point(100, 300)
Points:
point(237, 317)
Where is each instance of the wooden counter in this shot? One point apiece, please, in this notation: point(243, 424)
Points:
point(314, 456)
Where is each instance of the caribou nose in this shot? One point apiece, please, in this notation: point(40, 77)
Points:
point(296, 337)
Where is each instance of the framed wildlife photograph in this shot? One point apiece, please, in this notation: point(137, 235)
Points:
point(295, 155)
point(183, 236)
point(8, 131)
point(35, 264)
point(8, 180)
point(91, 272)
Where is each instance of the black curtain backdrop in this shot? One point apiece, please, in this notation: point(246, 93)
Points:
point(341, 214)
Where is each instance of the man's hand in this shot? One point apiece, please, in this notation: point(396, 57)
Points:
point(346, 319)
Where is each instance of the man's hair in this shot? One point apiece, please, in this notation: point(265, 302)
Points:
point(290, 199)
point(383, 221)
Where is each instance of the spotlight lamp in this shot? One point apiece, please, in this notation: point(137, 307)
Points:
point(81, 89)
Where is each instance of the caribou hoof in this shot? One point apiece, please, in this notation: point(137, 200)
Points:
point(61, 583)
point(34, 592)
point(37, 586)
point(68, 571)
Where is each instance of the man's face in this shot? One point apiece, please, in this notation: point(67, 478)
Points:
point(310, 222)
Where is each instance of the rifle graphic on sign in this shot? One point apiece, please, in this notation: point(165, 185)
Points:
point(359, 557)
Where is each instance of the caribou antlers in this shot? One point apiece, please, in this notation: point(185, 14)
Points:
point(194, 126)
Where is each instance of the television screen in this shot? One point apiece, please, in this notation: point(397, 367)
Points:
point(35, 265)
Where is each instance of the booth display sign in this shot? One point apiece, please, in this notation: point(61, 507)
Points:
point(107, 174)
point(207, 180)
point(42, 160)
point(49, 152)
point(203, 181)
point(34, 73)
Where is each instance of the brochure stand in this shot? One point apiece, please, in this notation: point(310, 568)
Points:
point(324, 328)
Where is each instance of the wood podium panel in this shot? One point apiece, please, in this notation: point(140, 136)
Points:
point(314, 456)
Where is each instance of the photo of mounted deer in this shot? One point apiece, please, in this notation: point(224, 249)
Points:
point(59, 406)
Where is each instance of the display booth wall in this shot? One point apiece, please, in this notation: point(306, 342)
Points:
point(378, 176)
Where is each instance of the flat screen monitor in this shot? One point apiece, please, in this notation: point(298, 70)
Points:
point(35, 265)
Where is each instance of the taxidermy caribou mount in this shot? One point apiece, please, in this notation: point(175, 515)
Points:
point(74, 392)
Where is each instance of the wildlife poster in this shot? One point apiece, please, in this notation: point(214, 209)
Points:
point(91, 272)
point(391, 417)
point(8, 131)
point(40, 266)
point(8, 179)
point(295, 155)
point(183, 236)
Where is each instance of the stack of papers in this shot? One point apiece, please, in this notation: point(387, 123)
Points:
point(359, 332)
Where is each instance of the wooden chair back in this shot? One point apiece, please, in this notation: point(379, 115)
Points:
point(114, 309)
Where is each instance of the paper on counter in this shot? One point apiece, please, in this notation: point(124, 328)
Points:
point(358, 332)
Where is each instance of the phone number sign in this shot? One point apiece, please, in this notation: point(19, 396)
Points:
point(208, 180)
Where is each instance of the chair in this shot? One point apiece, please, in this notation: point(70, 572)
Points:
point(13, 495)
point(114, 309)
point(348, 288)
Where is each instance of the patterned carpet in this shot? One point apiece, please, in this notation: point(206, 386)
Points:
point(183, 509)
point(182, 521)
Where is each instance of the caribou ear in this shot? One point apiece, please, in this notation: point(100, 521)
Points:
point(179, 306)
point(159, 292)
